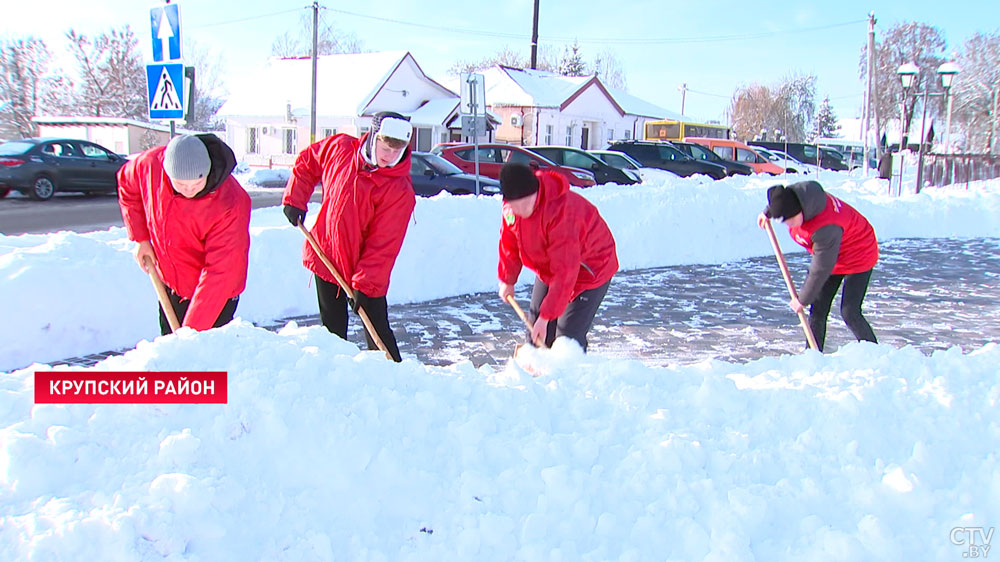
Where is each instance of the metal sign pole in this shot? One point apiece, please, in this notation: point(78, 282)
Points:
point(473, 105)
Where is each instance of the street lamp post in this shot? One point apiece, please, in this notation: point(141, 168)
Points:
point(907, 75)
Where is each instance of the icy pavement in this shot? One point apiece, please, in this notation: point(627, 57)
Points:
point(928, 293)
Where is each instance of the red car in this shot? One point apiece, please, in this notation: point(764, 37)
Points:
point(493, 156)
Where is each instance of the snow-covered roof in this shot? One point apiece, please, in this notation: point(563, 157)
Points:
point(75, 120)
point(434, 112)
point(637, 106)
point(345, 84)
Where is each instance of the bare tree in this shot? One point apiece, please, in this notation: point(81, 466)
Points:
point(23, 80)
point(506, 57)
point(977, 92)
point(904, 42)
point(329, 40)
point(609, 69)
point(788, 107)
point(112, 76)
point(209, 91)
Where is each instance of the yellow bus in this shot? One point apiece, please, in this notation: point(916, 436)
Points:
point(671, 130)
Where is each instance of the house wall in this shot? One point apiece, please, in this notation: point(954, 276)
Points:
point(118, 137)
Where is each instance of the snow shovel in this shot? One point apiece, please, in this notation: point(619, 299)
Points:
point(347, 289)
point(791, 286)
point(161, 294)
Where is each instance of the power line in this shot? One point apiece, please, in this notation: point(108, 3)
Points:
point(248, 18)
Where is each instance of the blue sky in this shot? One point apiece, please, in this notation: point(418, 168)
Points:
point(713, 47)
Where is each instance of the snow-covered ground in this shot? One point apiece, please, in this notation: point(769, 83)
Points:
point(327, 453)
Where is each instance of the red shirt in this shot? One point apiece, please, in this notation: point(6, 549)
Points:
point(201, 244)
point(564, 241)
point(858, 246)
point(363, 216)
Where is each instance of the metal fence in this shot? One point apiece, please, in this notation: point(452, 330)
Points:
point(948, 169)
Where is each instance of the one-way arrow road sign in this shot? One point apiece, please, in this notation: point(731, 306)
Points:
point(165, 28)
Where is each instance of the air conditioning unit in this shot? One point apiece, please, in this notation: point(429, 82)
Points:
point(263, 130)
point(516, 120)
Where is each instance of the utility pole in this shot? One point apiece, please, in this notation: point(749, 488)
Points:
point(684, 90)
point(312, 105)
point(534, 39)
point(868, 92)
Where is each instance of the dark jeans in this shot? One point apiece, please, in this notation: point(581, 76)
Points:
point(180, 307)
point(333, 314)
point(576, 320)
point(855, 289)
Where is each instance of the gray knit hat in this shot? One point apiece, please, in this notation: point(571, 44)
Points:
point(186, 158)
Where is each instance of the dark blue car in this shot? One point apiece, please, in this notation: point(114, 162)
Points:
point(432, 174)
point(39, 167)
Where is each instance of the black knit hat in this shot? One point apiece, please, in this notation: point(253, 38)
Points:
point(782, 203)
point(517, 180)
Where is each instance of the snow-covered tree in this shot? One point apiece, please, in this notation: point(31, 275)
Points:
point(608, 69)
point(572, 63)
point(112, 75)
point(23, 79)
point(977, 93)
point(506, 56)
point(826, 126)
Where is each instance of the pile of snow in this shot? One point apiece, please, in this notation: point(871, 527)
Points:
point(323, 453)
point(263, 177)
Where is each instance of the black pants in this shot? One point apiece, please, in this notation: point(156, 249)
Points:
point(576, 320)
point(180, 307)
point(333, 314)
point(855, 289)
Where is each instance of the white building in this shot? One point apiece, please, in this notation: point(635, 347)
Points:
point(117, 134)
point(267, 117)
point(540, 108)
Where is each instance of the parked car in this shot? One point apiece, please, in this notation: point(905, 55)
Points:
point(39, 167)
point(699, 152)
point(730, 149)
point(493, 156)
point(617, 159)
point(579, 158)
point(432, 174)
point(807, 153)
point(663, 155)
point(791, 165)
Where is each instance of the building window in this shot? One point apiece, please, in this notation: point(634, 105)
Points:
point(569, 135)
point(288, 145)
point(548, 134)
point(444, 137)
point(424, 138)
point(253, 140)
point(628, 134)
point(329, 132)
point(611, 135)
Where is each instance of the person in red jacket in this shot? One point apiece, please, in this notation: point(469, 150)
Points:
point(843, 247)
point(367, 202)
point(562, 238)
point(191, 218)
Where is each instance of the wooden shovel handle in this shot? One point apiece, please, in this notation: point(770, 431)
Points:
point(517, 308)
point(788, 282)
point(161, 294)
point(347, 289)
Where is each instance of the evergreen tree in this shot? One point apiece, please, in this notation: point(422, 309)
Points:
point(826, 122)
point(572, 62)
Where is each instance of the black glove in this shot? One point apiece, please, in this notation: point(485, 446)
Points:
point(295, 215)
point(360, 300)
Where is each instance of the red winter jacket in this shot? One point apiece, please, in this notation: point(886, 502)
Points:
point(564, 241)
point(201, 244)
point(858, 246)
point(363, 216)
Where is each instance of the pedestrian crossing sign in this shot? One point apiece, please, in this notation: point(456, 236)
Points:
point(165, 89)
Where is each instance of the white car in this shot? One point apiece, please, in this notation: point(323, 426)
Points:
point(790, 164)
point(621, 161)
